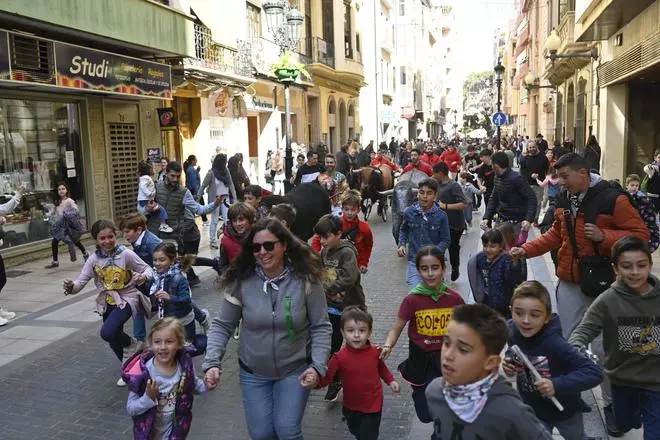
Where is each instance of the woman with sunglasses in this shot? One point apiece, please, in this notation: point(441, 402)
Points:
point(274, 287)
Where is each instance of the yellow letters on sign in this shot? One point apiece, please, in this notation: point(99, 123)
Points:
point(432, 322)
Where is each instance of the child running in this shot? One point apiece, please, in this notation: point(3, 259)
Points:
point(627, 315)
point(493, 274)
point(66, 226)
point(566, 372)
point(470, 190)
point(162, 383)
point(117, 272)
point(356, 230)
point(147, 195)
point(471, 400)
point(342, 282)
point(361, 369)
point(426, 310)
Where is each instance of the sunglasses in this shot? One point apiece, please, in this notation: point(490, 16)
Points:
point(267, 245)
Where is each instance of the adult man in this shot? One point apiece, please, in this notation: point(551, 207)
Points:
point(340, 183)
point(393, 148)
point(535, 166)
point(310, 170)
point(485, 172)
point(382, 159)
point(429, 156)
point(423, 223)
point(343, 160)
point(181, 210)
point(542, 143)
point(452, 158)
point(415, 162)
point(404, 155)
point(512, 200)
point(600, 215)
point(453, 202)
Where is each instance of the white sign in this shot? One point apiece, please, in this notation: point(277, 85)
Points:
point(259, 103)
point(388, 115)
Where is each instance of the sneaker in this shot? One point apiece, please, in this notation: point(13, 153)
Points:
point(206, 322)
point(333, 392)
point(164, 227)
point(85, 255)
point(121, 383)
point(130, 350)
point(3, 321)
point(194, 282)
point(205, 224)
point(213, 245)
point(610, 422)
point(5, 314)
point(454, 274)
point(52, 265)
point(237, 332)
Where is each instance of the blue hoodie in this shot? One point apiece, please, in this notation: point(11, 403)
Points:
point(554, 358)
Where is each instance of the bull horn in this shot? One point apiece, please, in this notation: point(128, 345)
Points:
point(358, 171)
point(387, 192)
point(415, 190)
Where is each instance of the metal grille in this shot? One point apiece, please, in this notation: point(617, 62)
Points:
point(124, 158)
point(32, 59)
point(621, 66)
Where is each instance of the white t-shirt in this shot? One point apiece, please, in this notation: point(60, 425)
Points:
point(146, 188)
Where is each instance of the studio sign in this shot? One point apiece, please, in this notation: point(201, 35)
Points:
point(82, 68)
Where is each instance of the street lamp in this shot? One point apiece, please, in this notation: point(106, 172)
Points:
point(531, 80)
point(499, 74)
point(553, 44)
point(455, 123)
point(284, 23)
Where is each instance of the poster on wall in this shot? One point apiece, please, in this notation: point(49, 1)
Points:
point(167, 118)
point(4, 55)
point(82, 68)
point(219, 104)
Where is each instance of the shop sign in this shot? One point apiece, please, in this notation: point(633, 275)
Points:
point(82, 68)
point(259, 103)
point(167, 118)
point(388, 115)
point(4, 55)
point(153, 154)
point(407, 111)
point(219, 103)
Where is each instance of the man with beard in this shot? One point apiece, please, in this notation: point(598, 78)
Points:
point(429, 156)
point(310, 170)
point(532, 167)
point(415, 162)
point(485, 172)
point(340, 184)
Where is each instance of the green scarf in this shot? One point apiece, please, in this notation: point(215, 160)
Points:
point(435, 294)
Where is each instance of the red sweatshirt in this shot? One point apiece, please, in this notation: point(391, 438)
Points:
point(422, 166)
point(384, 161)
point(360, 372)
point(362, 238)
point(431, 160)
point(449, 157)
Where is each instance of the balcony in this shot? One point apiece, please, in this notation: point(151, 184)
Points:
point(153, 28)
point(604, 20)
point(563, 68)
point(387, 39)
point(323, 52)
point(213, 58)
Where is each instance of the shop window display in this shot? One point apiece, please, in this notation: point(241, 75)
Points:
point(39, 148)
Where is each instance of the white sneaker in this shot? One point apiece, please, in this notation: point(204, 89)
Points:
point(3, 321)
point(5, 314)
point(121, 383)
point(164, 227)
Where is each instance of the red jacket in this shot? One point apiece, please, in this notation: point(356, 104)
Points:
point(363, 239)
point(431, 160)
point(384, 161)
point(449, 157)
point(360, 372)
point(422, 166)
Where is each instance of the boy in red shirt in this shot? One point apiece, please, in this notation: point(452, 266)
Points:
point(453, 160)
point(361, 369)
point(381, 159)
point(416, 162)
point(356, 230)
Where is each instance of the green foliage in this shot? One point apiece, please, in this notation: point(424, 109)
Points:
point(475, 82)
point(479, 120)
point(286, 61)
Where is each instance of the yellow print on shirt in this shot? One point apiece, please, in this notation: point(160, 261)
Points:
point(432, 322)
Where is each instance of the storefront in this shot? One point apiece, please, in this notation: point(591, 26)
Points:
point(69, 114)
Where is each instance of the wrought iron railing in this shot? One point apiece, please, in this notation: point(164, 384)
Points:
point(323, 52)
point(212, 55)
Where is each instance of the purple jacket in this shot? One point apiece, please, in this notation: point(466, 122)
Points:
point(135, 374)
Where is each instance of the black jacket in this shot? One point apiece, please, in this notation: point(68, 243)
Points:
point(534, 164)
point(512, 198)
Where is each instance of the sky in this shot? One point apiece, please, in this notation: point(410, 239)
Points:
point(476, 21)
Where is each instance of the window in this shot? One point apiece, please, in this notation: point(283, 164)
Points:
point(348, 44)
point(253, 15)
point(403, 75)
point(393, 79)
point(402, 7)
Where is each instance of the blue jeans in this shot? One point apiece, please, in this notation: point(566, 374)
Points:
point(412, 275)
point(161, 213)
point(637, 407)
point(571, 428)
point(112, 330)
point(274, 408)
point(140, 327)
point(213, 228)
point(467, 212)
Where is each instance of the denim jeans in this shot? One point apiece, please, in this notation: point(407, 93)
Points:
point(412, 275)
point(213, 228)
point(112, 330)
point(467, 212)
point(161, 213)
point(274, 408)
point(637, 407)
point(140, 327)
point(571, 428)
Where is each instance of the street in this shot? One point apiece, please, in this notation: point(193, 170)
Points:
point(66, 388)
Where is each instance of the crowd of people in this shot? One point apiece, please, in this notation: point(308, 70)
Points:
point(299, 310)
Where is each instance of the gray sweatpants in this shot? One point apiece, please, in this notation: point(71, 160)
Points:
point(571, 306)
point(538, 192)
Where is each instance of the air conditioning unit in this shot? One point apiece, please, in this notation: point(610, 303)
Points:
point(32, 59)
point(547, 107)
